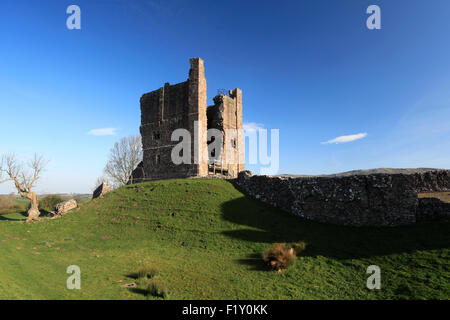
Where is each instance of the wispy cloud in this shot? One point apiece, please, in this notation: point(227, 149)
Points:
point(252, 126)
point(345, 139)
point(103, 132)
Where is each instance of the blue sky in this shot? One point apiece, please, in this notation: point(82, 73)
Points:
point(311, 69)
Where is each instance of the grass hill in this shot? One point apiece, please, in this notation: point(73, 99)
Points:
point(205, 237)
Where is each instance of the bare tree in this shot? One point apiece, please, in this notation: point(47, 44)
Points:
point(123, 159)
point(2, 163)
point(24, 180)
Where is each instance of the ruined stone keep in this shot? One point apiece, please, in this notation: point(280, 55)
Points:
point(184, 105)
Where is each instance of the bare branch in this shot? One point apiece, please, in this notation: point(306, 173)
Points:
point(24, 180)
point(2, 164)
point(123, 159)
point(15, 170)
point(37, 165)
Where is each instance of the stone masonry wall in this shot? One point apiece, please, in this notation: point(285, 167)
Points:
point(226, 116)
point(183, 106)
point(357, 200)
point(165, 110)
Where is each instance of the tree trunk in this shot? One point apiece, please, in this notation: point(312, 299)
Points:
point(33, 212)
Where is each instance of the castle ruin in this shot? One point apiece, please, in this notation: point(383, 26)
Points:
point(184, 106)
point(355, 200)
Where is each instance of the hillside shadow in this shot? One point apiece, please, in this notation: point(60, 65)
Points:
point(23, 216)
point(269, 225)
point(254, 261)
point(142, 292)
point(44, 213)
point(132, 275)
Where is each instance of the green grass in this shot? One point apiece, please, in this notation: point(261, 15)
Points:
point(205, 238)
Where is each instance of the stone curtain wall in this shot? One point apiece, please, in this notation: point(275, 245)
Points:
point(358, 200)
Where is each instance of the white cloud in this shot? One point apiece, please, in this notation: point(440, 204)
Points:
point(103, 132)
point(345, 139)
point(252, 126)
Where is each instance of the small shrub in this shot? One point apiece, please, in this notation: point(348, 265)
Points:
point(149, 271)
point(49, 202)
point(156, 289)
point(278, 257)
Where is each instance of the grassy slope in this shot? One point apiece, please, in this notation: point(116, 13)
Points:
point(206, 237)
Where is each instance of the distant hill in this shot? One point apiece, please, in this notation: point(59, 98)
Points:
point(364, 172)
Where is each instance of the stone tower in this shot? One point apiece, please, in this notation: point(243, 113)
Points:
point(197, 112)
point(226, 116)
point(183, 105)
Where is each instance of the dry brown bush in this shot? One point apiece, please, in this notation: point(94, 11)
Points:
point(279, 257)
point(156, 289)
point(148, 271)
